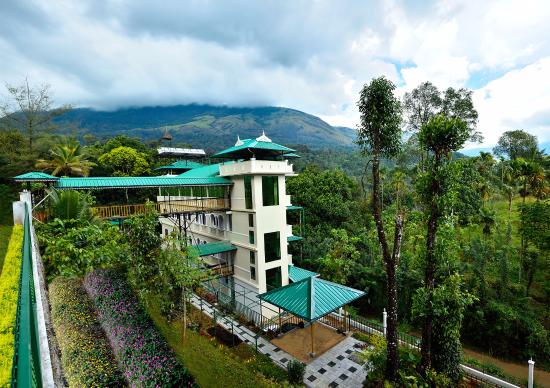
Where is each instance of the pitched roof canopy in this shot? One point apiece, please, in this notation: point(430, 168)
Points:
point(35, 176)
point(296, 273)
point(138, 182)
point(311, 298)
point(259, 147)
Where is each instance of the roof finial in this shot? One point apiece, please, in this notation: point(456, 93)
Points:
point(239, 142)
point(263, 138)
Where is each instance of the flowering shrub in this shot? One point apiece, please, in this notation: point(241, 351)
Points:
point(9, 286)
point(139, 348)
point(85, 352)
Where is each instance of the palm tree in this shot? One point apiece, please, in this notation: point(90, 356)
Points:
point(70, 205)
point(67, 159)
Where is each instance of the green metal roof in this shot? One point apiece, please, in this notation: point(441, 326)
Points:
point(181, 165)
point(212, 170)
point(137, 182)
point(212, 248)
point(251, 147)
point(311, 298)
point(291, 155)
point(292, 238)
point(35, 176)
point(296, 273)
point(293, 207)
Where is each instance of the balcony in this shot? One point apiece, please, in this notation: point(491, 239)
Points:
point(257, 167)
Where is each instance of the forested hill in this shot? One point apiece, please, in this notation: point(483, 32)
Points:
point(211, 127)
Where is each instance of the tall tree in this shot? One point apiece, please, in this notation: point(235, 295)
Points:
point(379, 135)
point(67, 159)
point(30, 110)
point(517, 144)
point(439, 137)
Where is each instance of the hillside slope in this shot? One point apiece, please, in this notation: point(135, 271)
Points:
point(212, 127)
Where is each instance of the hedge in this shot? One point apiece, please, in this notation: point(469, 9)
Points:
point(86, 356)
point(142, 353)
point(9, 287)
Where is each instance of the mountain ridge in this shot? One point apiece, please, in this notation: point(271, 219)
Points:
point(211, 127)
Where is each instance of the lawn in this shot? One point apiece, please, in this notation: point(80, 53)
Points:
point(5, 233)
point(211, 364)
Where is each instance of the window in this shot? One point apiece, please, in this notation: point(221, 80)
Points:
point(220, 222)
point(230, 222)
point(251, 237)
point(252, 273)
point(248, 192)
point(272, 246)
point(252, 257)
point(251, 220)
point(270, 190)
point(273, 278)
point(166, 232)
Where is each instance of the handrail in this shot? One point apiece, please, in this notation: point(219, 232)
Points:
point(26, 370)
point(163, 207)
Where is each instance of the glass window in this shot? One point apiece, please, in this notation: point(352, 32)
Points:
point(252, 257)
point(270, 190)
point(273, 278)
point(272, 245)
point(248, 192)
point(251, 237)
point(229, 222)
point(251, 220)
point(252, 273)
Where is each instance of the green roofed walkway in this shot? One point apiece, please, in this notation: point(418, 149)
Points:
point(35, 176)
point(212, 248)
point(311, 298)
point(296, 274)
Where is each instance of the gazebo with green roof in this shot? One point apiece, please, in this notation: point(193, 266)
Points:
point(311, 298)
point(260, 148)
point(35, 176)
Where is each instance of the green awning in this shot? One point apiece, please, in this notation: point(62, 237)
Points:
point(292, 238)
point(181, 165)
point(296, 273)
point(212, 248)
point(35, 176)
point(294, 207)
point(311, 298)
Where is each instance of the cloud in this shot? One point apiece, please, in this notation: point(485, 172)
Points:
point(309, 55)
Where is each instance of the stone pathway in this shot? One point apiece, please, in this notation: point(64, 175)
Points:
point(335, 368)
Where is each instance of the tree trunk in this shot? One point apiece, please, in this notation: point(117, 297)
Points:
point(184, 314)
point(392, 362)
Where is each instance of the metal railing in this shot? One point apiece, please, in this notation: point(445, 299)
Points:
point(164, 207)
point(26, 358)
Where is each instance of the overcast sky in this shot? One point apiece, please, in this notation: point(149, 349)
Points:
point(308, 55)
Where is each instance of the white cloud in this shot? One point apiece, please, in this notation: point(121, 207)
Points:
point(308, 55)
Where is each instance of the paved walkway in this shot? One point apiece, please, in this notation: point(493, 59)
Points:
point(338, 367)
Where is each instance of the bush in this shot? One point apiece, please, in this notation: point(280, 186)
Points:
point(85, 352)
point(296, 371)
point(75, 247)
point(9, 286)
point(140, 350)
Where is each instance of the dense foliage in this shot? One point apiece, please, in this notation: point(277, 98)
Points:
point(138, 347)
point(74, 247)
point(9, 286)
point(86, 356)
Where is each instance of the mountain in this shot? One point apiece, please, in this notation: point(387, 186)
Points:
point(211, 127)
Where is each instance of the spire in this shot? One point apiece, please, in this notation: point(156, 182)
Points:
point(166, 135)
point(263, 138)
point(239, 142)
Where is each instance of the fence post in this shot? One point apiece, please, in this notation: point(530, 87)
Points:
point(384, 321)
point(531, 373)
point(256, 339)
point(232, 333)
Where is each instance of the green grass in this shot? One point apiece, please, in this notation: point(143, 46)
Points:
point(211, 364)
point(8, 195)
point(5, 233)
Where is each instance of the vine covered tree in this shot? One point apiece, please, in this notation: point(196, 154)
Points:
point(440, 137)
point(379, 135)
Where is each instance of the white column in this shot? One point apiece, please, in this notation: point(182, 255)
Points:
point(531, 373)
point(385, 321)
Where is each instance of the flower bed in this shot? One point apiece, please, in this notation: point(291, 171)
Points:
point(86, 356)
point(9, 286)
point(140, 350)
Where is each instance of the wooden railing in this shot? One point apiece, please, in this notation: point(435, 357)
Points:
point(165, 207)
